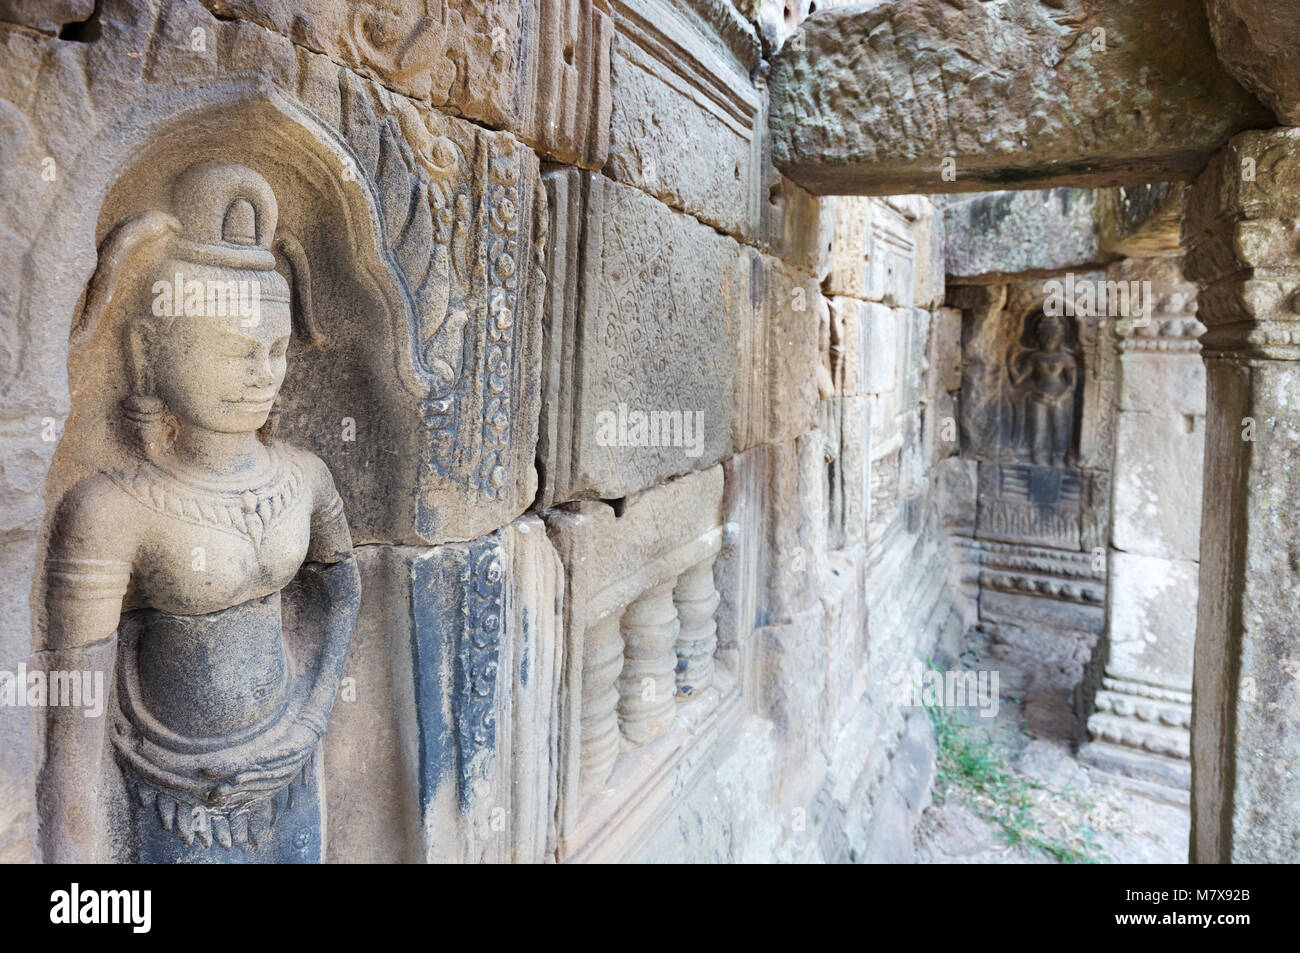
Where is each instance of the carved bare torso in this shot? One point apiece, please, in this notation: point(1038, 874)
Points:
point(204, 587)
point(169, 561)
point(1050, 374)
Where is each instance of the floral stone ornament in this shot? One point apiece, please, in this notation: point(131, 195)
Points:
point(206, 564)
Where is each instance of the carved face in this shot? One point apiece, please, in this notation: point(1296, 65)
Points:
point(1050, 333)
point(217, 373)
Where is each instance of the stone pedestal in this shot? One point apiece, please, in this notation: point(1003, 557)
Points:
point(1240, 232)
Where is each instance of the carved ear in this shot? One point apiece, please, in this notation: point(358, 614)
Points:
point(114, 254)
point(304, 316)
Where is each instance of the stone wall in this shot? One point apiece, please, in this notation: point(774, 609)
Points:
point(648, 456)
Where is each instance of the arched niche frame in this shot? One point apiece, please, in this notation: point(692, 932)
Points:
point(419, 237)
point(1026, 306)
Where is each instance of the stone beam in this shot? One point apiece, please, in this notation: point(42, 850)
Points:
point(1013, 235)
point(930, 96)
point(1000, 236)
point(1259, 42)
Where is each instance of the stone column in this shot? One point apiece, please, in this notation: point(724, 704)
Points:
point(1141, 712)
point(647, 687)
point(696, 600)
point(1242, 233)
point(602, 662)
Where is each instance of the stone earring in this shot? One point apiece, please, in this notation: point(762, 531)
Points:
point(150, 423)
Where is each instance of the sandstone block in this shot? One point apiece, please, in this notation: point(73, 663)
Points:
point(776, 390)
point(539, 68)
point(685, 116)
point(643, 317)
point(922, 96)
point(440, 748)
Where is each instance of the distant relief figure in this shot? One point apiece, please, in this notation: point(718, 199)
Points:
point(168, 566)
point(1043, 380)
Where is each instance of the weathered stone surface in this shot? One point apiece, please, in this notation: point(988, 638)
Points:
point(1152, 619)
point(1154, 383)
point(443, 374)
point(795, 225)
point(1241, 250)
point(440, 749)
point(618, 567)
point(790, 660)
point(644, 312)
point(874, 255)
point(1001, 235)
point(1162, 458)
point(1141, 712)
point(1259, 42)
point(48, 16)
point(850, 271)
point(874, 100)
point(776, 388)
point(957, 481)
point(845, 423)
point(945, 349)
point(685, 117)
point(1141, 221)
point(931, 248)
point(865, 337)
point(904, 796)
point(538, 68)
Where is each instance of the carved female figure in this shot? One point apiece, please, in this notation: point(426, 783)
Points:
point(1045, 377)
point(172, 564)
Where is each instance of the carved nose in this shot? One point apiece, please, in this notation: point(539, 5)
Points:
point(261, 375)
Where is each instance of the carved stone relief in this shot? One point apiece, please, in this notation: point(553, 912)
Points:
point(641, 671)
point(409, 241)
point(644, 324)
point(539, 68)
point(193, 529)
point(684, 119)
point(434, 237)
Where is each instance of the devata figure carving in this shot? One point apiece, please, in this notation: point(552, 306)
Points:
point(169, 565)
point(1043, 382)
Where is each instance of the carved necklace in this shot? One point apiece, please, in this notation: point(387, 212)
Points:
point(248, 510)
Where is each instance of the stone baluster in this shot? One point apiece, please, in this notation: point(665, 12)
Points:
point(1243, 250)
point(696, 600)
point(647, 687)
point(602, 661)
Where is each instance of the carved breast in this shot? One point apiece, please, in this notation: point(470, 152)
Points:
point(207, 548)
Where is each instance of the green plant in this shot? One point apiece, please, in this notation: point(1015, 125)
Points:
point(973, 764)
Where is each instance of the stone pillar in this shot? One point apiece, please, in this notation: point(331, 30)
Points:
point(647, 686)
point(1141, 711)
point(1242, 233)
point(602, 662)
point(696, 600)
